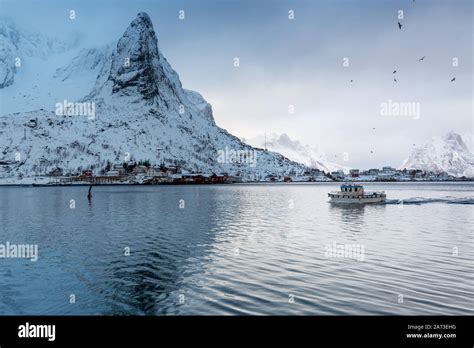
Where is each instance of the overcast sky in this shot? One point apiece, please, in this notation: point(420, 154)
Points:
point(299, 62)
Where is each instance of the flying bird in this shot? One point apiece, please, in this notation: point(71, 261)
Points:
point(352, 80)
point(399, 25)
point(394, 72)
point(395, 80)
point(453, 79)
point(422, 58)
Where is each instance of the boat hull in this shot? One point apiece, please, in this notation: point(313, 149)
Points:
point(358, 200)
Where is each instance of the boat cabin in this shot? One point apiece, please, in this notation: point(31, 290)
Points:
point(352, 189)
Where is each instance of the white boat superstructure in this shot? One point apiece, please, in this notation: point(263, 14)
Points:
point(353, 193)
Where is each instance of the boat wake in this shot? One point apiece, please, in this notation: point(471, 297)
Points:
point(422, 200)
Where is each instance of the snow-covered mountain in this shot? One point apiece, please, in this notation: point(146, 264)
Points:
point(447, 154)
point(17, 47)
point(87, 61)
point(137, 110)
point(49, 69)
point(41, 82)
point(293, 149)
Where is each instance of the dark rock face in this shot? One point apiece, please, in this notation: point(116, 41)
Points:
point(132, 65)
point(138, 66)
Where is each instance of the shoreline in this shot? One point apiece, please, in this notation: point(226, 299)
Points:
point(240, 183)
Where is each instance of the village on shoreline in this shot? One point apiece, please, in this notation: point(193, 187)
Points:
point(143, 173)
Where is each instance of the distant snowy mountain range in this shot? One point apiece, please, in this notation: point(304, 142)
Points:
point(448, 154)
point(136, 109)
point(293, 149)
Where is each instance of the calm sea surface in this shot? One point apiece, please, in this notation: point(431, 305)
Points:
point(238, 249)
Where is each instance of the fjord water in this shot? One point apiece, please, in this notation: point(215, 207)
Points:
point(237, 249)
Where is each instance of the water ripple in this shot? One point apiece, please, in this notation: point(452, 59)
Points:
point(238, 249)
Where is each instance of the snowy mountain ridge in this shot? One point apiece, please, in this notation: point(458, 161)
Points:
point(293, 149)
point(90, 60)
point(448, 154)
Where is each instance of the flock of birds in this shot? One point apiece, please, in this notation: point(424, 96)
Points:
point(420, 60)
point(400, 25)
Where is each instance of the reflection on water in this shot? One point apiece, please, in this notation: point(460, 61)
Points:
point(349, 212)
point(237, 249)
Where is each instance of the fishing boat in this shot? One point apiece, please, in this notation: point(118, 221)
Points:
point(353, 193)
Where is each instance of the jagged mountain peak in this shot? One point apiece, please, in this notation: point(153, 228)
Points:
point(456, 141)
point(142, 19)
point(139, 70)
